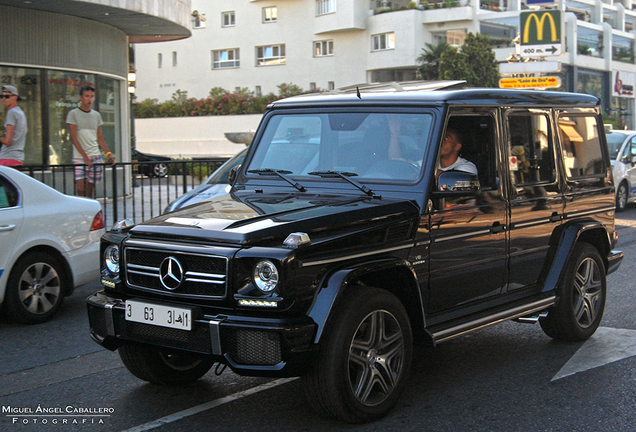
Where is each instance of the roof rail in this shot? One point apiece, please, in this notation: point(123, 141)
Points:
point(402, 86)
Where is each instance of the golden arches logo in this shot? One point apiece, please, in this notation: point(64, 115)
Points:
point(540, 22)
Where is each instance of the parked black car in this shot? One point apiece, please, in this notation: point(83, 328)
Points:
point(346, 239)
point(150, 164)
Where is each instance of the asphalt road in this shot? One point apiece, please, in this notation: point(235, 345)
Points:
point(509, 377)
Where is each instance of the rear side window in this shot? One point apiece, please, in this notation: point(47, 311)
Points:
point(530, 149)
point(8, 193)
point(581, 146)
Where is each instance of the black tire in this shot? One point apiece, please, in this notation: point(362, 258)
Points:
point(581, 302)
point(622, 194)
point(364, 358)
point(162, 367)
point(160, 170)
point(35, 288)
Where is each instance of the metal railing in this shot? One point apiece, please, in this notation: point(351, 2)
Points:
point(130, 190)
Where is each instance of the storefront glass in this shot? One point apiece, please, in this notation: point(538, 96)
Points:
point(590, 82)
point(621, 115)
point(108, 101)
point(27, 81)
point(64, 90)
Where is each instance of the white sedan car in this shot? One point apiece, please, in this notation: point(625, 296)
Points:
point(622, 150)
point(49, 244)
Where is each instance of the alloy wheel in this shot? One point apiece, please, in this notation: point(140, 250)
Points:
point(39, 288)
point(376, 358)
point(587, 292)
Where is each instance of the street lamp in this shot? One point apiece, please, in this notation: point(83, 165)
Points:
point(132, 77)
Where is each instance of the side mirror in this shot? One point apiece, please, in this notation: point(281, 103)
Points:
point(457, 183)
point(232, 174)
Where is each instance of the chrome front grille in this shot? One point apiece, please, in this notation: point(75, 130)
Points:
point(192, 274)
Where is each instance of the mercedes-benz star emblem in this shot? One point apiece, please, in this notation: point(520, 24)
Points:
point(171, 273)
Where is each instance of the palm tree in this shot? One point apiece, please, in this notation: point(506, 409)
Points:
point(429, 60)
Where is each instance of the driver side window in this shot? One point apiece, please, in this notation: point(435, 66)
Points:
point(476, 154)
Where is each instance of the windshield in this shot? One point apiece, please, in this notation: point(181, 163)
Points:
point(364, 145)
point(614, 142)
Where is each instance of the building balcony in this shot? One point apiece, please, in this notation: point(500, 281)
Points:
point(349, 16)
point(460, 13)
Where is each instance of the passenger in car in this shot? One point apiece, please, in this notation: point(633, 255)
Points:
point(449, 155)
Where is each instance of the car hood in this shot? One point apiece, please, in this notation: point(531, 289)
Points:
point(200, 193)
point(251, 218)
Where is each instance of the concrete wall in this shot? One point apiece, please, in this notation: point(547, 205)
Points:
point(187, 137)
point(45, 39)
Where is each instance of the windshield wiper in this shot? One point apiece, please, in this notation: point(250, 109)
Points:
point(345, 176)
point(280, 173)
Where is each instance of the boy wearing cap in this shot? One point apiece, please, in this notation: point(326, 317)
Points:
point(86, 134)
point(15, 129)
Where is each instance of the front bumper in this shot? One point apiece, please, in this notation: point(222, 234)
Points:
point(250, 346)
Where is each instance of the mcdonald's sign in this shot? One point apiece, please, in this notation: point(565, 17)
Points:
point(540, 33)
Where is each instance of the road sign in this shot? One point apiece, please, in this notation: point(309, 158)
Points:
point(530, 83)
point(529, 67)
point(541, 33)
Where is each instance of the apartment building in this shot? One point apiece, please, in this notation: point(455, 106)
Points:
point(327, 44)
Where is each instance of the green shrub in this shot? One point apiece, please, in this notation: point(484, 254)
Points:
point(218, 102)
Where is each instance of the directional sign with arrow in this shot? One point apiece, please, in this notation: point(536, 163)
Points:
point(541, 33)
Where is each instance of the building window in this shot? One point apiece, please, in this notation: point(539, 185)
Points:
point(454, 37)
point(331, 85)
point(28, 81)
point(325, 7)
point(388, 75)
point(270, 55)
point(227, 19)
point(312, 86)
point(159, 60)
point(323, 48)
point(174, 58)
point(226, 58)
point(63, 98)
point(383, 41)
point(198, 20)
point(270, 14)
point(258, 91)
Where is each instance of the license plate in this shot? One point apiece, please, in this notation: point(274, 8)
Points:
point(159, 315)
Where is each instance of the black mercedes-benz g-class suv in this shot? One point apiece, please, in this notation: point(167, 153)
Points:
point(361, 224)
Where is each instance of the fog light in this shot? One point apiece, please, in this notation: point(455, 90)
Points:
point(107, 283)
point(258, 303)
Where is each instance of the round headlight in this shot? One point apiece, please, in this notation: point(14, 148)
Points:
point(111, 259)
point(265, 276)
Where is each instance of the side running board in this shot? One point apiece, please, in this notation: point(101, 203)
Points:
point(516, 312)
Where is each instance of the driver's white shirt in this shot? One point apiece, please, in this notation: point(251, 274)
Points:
point(461, 164)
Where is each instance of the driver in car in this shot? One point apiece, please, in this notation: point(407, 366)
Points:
point(449, 155)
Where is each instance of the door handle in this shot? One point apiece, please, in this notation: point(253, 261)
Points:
point(497, 228)
point(6, 228)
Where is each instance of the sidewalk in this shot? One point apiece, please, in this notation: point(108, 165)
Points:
point(146, 200)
